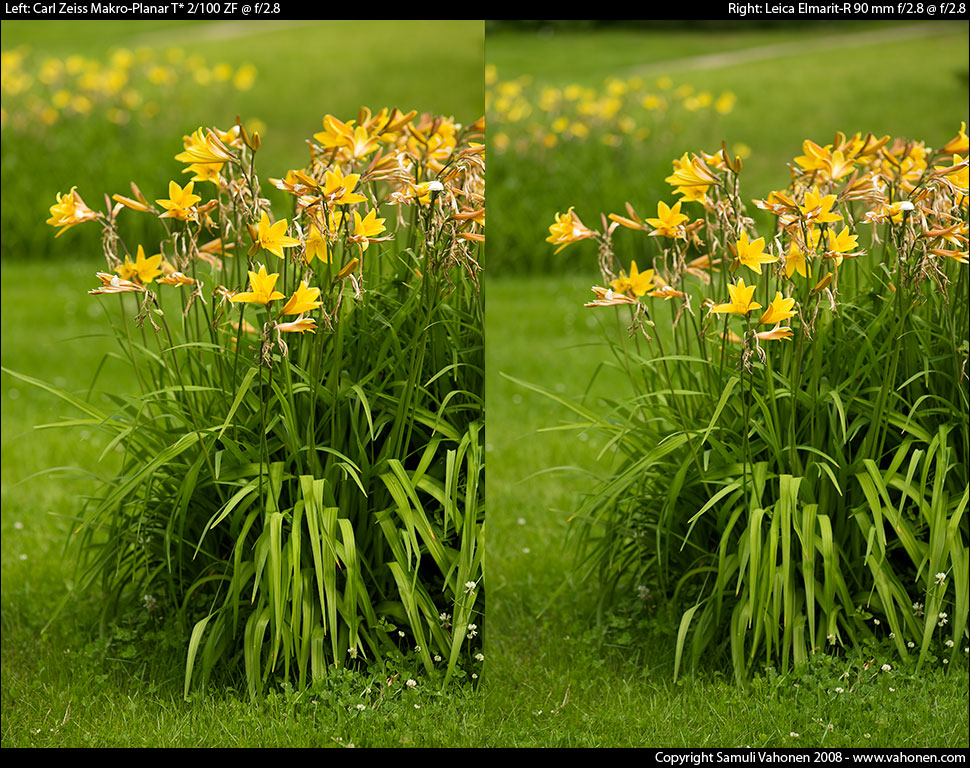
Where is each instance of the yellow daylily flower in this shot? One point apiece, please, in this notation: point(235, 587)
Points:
point(751, 254)
point(114, 284)
point(669, 221)
point(691, 172)
point(300, 325)
point(960, 144)
point(960, 256)
point(828, 164)
point(638, 283)
point(958, 174)
point(365, 228)
point(818, 207)
point(822, 284)
point(68, 211)
point(181, 202)
point(304, 299)
point(176, 278)
point(261, 289)
point(633, 221)
point(740, 303)
point(204, 149)
point(205, 172)
point(609, 297)
point(894, 212)
point(348, 268)
point(127, 202)
point(814, 157)
point(339, 189)
point(354, 141)
point(317, 246)
point(141, 270)
point(779, 309)
point(567, 229)
point(796, 262)
point(841, 245)
point(779, 332)
point(273, 237)
point(335, 132)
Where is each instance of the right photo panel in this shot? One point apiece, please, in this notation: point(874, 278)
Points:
point(727, 383)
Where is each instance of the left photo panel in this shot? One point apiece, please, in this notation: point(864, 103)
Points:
point(242, 390)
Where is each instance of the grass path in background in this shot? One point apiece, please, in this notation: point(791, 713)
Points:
point(848, 38)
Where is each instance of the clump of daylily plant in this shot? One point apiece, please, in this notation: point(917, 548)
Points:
point(792, 463)
point(302, 473)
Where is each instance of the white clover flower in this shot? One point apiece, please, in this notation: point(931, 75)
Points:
point(411, 683)
point(948, 643)
point(361, 707)
point(794, 735)
point(910, 644)
point(437, 657)
point(887, 668)
point(352, 652)
point(469, 586)
point(940, 578)
point(917, 609)
point(943, 619)
point(840, 690)
point(876, 622)
point(481, 656)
